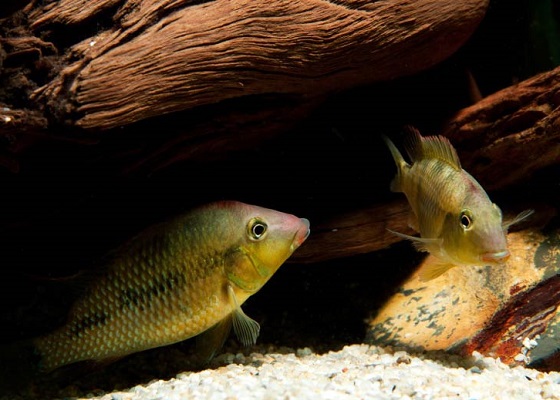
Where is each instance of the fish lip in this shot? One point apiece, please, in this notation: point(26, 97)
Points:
point(307, 224)
point(299, 236)
point(498, 257)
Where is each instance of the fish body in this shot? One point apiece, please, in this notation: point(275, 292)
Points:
point(457, 221)
point(175, 281)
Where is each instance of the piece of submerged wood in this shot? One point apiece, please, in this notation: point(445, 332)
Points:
point(499, 137)
point(160, 57)
point(498, 311)
point(356, 232)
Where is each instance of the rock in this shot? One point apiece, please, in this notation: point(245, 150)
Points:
point(499, 312)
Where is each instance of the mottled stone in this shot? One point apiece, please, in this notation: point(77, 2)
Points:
point(502, 312)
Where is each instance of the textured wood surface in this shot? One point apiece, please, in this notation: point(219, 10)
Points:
point(143, 85)
point(160, 57)
point(519, 125)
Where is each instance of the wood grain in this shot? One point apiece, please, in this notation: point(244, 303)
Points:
point(161, 57)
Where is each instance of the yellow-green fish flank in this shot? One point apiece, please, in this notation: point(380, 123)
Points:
point(175, 281)
point(457, 221)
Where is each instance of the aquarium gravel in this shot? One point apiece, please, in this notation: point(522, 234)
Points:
point(355, 372)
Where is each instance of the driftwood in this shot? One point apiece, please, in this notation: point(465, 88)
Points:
point(206, 77)
point(86, 67)
point(502, 140)
point(149, 58)
point(165, 56)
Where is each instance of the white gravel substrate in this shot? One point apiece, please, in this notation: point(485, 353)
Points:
point(355, 372)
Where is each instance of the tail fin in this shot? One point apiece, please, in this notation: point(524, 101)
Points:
point(19, 366)
point(22, 375)
point(396, 184)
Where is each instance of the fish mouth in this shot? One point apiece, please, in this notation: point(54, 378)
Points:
point(499, 257)
point(301, 234)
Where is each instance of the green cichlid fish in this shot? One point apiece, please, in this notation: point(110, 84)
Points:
point(177, 280)
point(457, 221)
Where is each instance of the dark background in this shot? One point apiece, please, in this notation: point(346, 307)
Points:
point(67, 206)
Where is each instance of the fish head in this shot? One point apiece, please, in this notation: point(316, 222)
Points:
point(475, 233)
point(267, 238)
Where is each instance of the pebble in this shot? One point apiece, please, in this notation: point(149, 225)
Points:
point(356, 371)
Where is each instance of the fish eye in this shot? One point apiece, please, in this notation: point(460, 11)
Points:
point(257, 229)
point(465, 219)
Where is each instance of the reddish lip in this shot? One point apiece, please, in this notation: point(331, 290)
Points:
point(499, 257)
point(302, 234)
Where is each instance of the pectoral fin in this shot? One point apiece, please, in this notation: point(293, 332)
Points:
point(208, 343)
point(433, 268)
point(518, 218)
point(421, 244)
point(246, 329)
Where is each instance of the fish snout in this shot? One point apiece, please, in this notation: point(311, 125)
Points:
point(499, 257)
point(302, 233)
point(305, 229)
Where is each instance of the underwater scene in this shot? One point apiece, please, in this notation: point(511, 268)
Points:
point(222, 199)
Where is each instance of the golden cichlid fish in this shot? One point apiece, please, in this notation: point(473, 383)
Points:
point(457, 221)
point(176, 280)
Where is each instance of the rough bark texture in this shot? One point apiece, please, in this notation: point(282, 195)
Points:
point(165, 56)
point(225, 73)
point(358, 232)
point(518, 127)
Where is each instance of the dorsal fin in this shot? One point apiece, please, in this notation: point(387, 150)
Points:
point(438, 147)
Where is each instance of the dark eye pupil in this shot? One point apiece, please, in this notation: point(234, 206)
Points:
point(465, 221)
point(258, 230)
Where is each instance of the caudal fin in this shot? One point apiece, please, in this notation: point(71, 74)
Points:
point(19, 366)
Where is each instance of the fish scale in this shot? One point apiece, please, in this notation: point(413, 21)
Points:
point(425, 193)
point(458, 223)
point(151, 326)
point(173, 282)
